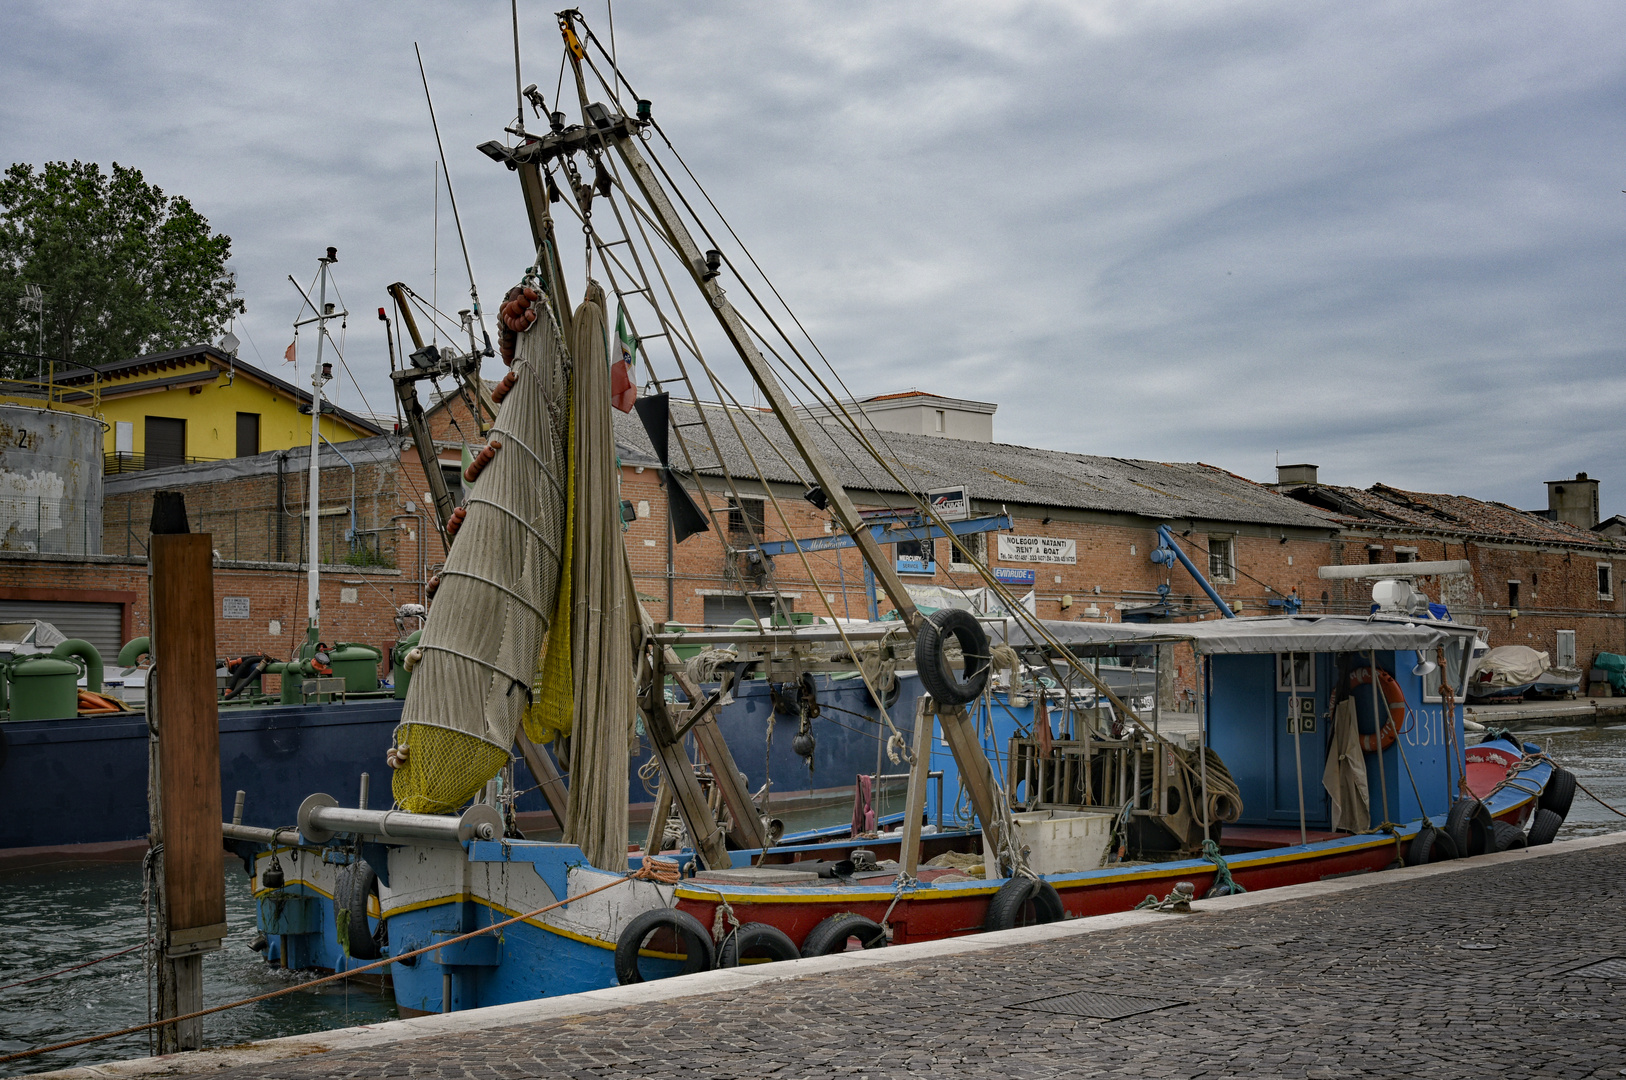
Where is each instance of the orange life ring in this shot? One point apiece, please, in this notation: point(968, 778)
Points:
point(1393, 695)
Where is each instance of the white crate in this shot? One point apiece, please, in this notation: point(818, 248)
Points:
point(1058, 840)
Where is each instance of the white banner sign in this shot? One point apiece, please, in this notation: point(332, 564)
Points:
point(1036, 549)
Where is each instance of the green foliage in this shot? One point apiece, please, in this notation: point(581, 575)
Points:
point(125, 269)
point(363, 555)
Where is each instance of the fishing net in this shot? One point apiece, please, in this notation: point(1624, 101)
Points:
point(553, 701)
point(497, 596)
point(601, 613)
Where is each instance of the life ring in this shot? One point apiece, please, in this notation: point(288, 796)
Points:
point(1392, 695)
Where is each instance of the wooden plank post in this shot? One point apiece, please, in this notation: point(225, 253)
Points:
point(975, 771)
point(555, 792)
point(914, 803)
point(187, 723)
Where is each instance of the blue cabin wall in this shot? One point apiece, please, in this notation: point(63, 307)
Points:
point(1247, 719)
point(1415, 767)
point(1248, 727)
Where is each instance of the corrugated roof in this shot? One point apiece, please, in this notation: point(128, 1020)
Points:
point(994, 472)
point(1384, 506)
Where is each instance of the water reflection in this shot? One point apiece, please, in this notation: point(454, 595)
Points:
point(54, 918)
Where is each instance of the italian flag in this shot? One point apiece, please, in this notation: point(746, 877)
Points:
point(623, 387)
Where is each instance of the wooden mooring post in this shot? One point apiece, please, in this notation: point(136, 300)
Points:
point(184, 773)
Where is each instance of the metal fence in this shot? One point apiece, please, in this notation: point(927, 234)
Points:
point(256, 534)
point(49, 526)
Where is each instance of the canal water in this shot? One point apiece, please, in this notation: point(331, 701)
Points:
point(51, 919)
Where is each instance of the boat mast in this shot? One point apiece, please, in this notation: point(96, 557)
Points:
point(320, 374)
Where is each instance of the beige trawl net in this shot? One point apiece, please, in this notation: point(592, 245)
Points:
point(497, 595)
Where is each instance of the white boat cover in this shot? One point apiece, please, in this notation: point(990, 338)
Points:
point(1266, 634)
point(1512, 665)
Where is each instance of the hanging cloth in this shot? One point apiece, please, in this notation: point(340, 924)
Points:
point(1345, 774)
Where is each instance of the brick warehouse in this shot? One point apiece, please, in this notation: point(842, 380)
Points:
point(1257, 544)
point(1546, 579)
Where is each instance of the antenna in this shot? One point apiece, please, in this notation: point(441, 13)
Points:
point(519, 95)
point(474, 293)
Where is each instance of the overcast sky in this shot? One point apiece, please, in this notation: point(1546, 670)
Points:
point(1384, 238)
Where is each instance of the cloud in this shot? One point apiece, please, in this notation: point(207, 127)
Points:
point(1383, 238)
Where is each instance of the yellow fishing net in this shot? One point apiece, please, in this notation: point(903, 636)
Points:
point(552, 692)
point(446, 769)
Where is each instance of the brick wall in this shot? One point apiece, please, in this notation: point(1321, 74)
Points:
point(358, 604)
point(1558, 588)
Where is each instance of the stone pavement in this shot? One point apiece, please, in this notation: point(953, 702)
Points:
point(1465, 970)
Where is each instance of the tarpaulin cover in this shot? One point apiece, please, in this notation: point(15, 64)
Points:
point(1269, 634)
point(1511, 665)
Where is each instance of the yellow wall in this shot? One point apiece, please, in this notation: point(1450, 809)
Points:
point(211, 413)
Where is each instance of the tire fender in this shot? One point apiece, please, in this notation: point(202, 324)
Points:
point(1006, 908)
point(1470, 827)
point(1559, 792)
point(935, 674)
point(1544, 828)
point(701, 954)
point(831, 935)
point(356, 884)
point(756, 938)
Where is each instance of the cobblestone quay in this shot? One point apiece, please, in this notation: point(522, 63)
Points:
point(1473, 969)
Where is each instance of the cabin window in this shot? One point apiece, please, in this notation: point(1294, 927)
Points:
point(1606, 581)
point(747, 517)
point(1221, 559)
point(1512, 594)
point(248, 434)
point(968, 550)
point(1302, 672)
point(1453, 663)
point(942, 420)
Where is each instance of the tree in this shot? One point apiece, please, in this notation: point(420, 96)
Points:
point(123, 268)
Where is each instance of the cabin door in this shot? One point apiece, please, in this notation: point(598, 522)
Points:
point(1313, 674)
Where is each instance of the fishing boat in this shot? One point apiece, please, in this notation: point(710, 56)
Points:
point(1058, 797)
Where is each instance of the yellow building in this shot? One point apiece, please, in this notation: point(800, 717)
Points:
point(198, 404)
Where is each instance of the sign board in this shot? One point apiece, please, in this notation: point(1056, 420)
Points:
point(950, 503)
point(1037, 549)
point(234, 607)
point(1009, 575)
point(908, 565)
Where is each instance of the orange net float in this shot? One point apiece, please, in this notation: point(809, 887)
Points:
point(1393, 697)
point(503, 387)
point(481, 460)
point(455, 522)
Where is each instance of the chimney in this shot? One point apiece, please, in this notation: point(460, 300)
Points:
point(1574, 502)
point(1293, 475)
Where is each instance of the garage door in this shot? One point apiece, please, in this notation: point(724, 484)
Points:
point(100, 624)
